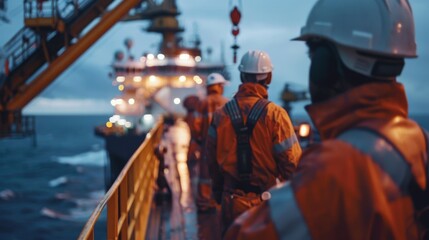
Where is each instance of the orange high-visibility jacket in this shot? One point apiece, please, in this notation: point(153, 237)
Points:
point(339, 191)
point(274, 145)
point(206, 108)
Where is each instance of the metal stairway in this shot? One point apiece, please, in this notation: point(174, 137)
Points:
point(55, 35)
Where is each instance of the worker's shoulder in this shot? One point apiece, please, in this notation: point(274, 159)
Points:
point(331, 155)
point(276, 112)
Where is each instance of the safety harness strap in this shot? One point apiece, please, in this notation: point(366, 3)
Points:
point(243, 133)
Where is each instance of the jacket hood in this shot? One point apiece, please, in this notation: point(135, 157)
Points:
point(369, 101)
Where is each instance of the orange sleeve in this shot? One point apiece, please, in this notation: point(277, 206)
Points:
point(211, 157)
point(253, 224)
point(286, 149)
point(198, 121)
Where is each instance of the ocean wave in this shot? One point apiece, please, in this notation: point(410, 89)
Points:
point(93, 158)
point(58, 181)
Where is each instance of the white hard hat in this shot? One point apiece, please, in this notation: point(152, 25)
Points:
point(256, 62)
point(380, 28)
point(215, 78)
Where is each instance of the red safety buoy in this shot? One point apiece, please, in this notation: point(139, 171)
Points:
point(235, 31)
point(235, 16)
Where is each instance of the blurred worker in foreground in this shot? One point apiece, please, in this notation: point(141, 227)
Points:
point(194, 152)
point(251, 142)
point(214, 100)
point(366, 180)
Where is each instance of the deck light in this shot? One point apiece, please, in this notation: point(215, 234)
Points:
point(152, 78)
point(161, 56)
point(121, 87)
point(120, 79)
point(304, 130)
point(137, 79)
point(198, 59)
point(184, 56)
point(182, 79)
point(150, 57)
point(109, 124)
point(176, 101)
point(197, 79)
point(131, 101)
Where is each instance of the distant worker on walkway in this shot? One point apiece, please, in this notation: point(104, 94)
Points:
point(194, 152)
point(367, 178)
point(214, 100)
point(251, 142)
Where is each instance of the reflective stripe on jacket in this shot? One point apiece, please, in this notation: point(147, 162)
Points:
point(340, 190)
point(274, 145)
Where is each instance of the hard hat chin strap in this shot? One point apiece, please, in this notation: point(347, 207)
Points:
point(256, 78)
point(329, 75)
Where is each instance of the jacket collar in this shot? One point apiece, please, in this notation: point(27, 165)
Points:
point(252, 90)
point(369, 101)
point(215, 89)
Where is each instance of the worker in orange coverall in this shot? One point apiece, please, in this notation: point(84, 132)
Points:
point(194, 153)
point(214, 100)
point(251, 142)
point(368, 178)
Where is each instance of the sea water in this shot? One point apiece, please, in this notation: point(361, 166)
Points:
point(49, 191)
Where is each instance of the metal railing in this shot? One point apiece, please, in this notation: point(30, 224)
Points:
point(129, 199)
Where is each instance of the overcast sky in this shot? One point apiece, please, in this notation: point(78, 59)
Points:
point(266, 25)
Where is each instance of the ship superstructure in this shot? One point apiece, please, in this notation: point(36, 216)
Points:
point(153, 84)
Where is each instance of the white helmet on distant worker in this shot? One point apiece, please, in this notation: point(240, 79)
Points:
point(215, 78)
point(256, 62)
point(378, 28)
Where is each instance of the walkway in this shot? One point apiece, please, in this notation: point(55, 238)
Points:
point(179, 219)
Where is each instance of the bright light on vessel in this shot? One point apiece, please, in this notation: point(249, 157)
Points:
point(120, 79)
point(128, 124)
point(122, 122)
point(131, 101)
point(121, 87)
point(152, 78)
point(304, 130)
point(198, 59)
point(115, 102)
point(184, 56)
point(150, 57)
point(148, 117)
point(198, 80)
point(182, 79)
point(137, 79)
point(114, 118)
point(109, 124)
point(161, 56)
point(176, 101)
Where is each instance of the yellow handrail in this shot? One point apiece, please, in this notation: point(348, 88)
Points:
point(129, 199)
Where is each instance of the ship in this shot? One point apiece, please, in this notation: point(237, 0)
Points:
point(154, 84)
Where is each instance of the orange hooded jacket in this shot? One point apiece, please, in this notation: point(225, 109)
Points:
point(206, 109)
point(339, 192)
point(274, 145)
